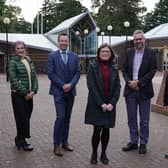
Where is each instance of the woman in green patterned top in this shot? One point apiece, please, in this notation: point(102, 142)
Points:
point(24, 86)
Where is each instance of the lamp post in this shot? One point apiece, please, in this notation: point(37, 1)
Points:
point(6, 21)
point(42, 22)
point(126, 25)
point(77, 34)
point(87, 61)
point(97, 31)
point(102, 34)
point(110, 28)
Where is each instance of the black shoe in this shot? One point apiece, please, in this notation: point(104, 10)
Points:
point(104, 159)
point(27, 147)
point(22, 144)
point(166, 155)
point(93, 159)
point(25, 142)
point(130, 146)
point(142, 149)
point(18, 142)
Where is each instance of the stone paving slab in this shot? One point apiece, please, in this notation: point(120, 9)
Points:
point(80, 134)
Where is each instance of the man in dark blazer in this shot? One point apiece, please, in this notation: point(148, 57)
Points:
point(138, 70)
point(64, 73)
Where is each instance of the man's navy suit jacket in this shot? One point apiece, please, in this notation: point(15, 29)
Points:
point(56, 71)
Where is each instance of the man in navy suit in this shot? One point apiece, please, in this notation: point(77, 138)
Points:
point(64, 74)
point(138, 70)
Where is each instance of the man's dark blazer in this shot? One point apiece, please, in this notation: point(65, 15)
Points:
point(147, 71)
point(56, 72)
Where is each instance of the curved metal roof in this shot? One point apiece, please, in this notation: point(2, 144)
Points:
point(68, 23)
point(160, 31)
point(33, 40)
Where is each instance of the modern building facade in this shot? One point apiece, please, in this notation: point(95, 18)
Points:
point(84, 41)
point(81, 30)
point(82, 34)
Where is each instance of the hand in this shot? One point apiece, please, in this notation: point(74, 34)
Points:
point(133, 84)
point(29, 95)
point(67, 87)
point(165, 107)
point(109, 107)
point(104, 107)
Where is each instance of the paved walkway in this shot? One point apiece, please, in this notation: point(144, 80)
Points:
point(80, 134)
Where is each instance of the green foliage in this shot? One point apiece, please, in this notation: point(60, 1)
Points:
point(110, 12)
point(55, 13)
point(23, 26)
point(115, 12)
point(17, 25)
point(158, 16)
point(2, 7)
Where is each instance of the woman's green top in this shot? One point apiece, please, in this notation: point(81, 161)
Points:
point(18, 76)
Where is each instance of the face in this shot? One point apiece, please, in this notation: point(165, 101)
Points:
point(139, 41)
point(105, 54)
point(63, 42)
point(20, 50)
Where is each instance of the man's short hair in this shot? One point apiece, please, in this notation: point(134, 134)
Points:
point(138, 32)
point(62, 34)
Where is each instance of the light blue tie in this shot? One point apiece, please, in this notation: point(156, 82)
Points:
point(64, 57)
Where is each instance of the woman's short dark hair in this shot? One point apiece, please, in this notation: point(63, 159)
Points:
point(111, 51)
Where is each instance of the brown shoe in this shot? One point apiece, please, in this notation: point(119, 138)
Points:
point(57, 151)
point(67, 147)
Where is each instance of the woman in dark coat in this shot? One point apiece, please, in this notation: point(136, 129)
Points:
point(104, 89)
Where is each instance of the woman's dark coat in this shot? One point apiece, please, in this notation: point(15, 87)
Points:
point(94, 114)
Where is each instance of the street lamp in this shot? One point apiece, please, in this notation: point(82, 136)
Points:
point(102, 34)
point(109, 28)
point(126, 25)
point(42, 22)
point(6, 21)
point(86, 31)
point(97, 31)
point(87, 61)
point(77, 33)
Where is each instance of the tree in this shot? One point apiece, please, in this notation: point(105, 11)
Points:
point(16, 24)
point(158, 16)
point(56, 12)
point(115, 12)
point(22, 26)
point(12, 12)
point(2, 7)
